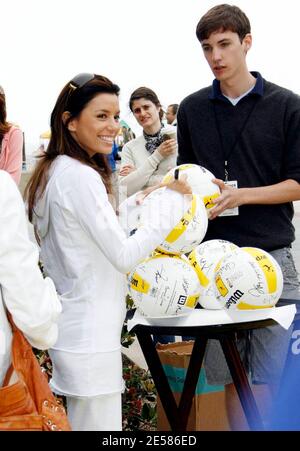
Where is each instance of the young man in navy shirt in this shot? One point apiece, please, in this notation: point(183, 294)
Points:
point(246, 131)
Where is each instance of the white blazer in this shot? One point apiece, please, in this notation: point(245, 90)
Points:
point(31, 300)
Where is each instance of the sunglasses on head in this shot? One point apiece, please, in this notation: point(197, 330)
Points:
point(80, 80)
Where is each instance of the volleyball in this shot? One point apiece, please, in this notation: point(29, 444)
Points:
point(248, 278)
point(200, 180)
point(189, 215)
point(164, 285)
point(129, 215)
point(204, 258)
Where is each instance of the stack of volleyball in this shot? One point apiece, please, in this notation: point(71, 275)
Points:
point(217, 273)
point(166, 283)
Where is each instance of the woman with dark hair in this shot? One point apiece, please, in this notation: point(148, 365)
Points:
point(11, 144)
point(85, 251)
point(146, 159)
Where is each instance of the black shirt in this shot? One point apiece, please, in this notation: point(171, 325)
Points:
point(260, 139)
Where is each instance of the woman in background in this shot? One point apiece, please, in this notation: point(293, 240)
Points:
point(85, 251)
point(11, 144)
point(146, 159)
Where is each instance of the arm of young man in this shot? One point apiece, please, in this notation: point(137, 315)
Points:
point(280, 193)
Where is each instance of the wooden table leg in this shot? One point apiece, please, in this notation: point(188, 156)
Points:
point(191, 380)
point(160, 379)
point(177, 416)
point(241, 383)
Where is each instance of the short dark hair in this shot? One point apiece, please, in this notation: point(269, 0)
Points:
point(174, 107)
point(146, 93)
point(223, 17)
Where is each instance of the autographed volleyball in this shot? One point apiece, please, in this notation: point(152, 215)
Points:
point(164, 285)
point(200, 180)
point(248, 278)
point(204, 258)
point(129, 215)
point(189, 215)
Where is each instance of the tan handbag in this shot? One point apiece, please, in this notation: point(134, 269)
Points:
point(29, 403)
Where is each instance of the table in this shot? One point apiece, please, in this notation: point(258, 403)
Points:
point(225, 333)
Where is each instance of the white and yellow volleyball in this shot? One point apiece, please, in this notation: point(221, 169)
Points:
point(164, 285)
point(200, 180)
point(129, 214)
point(248, 278)
point(204, 258)
point(187, 212)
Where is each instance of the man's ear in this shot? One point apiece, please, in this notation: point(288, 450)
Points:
point(71, 124)
point(247, 41)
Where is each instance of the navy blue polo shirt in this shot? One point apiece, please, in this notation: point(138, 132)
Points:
point(258, 88)
point(260, 140)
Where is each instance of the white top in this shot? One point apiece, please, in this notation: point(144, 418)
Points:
point(235, 100)
point(85, 251)
point(150, 168)
point(31, 300)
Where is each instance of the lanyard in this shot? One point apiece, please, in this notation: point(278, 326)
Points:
point(238, 137)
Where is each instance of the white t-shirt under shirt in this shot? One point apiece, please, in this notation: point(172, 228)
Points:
point(236, 100)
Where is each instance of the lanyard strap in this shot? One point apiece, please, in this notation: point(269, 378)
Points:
point(238, 137)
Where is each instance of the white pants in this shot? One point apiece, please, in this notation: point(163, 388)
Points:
point(101, 413)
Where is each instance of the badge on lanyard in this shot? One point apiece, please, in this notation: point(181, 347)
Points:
point(231, 211)
point(228, 152)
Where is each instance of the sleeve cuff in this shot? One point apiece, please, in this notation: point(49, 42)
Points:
point(156, 157)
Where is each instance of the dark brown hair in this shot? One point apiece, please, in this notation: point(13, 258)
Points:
point(4, 125)
point(223, 17)
point(62, 142)
point(146, 93)
point(174, 107)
